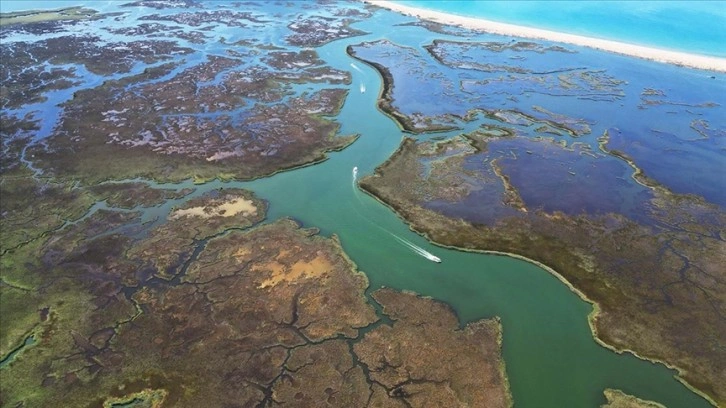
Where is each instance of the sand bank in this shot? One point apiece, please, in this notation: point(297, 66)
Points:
point(654, 54)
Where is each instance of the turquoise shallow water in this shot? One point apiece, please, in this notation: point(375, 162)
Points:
point(692, 26)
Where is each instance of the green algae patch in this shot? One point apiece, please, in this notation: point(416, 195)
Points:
point(19, 321)
point(62, 353)
point(39, 16)
point(32, 207)
point(29, 341)
point(147, 398)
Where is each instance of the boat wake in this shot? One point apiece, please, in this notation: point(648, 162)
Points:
point(410, 245)
point(362, 85)
point(355, 190)
point(417, 249)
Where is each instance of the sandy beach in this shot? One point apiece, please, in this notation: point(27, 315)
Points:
point(493, 27)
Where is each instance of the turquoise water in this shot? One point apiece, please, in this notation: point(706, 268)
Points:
point(692, 26)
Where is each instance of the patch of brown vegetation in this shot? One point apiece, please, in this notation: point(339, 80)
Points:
point(168, 248)
point(322, 375)
point(315, 31)
point(659, 291)
point(426, 359)
point(154, 129)
point(130, 195)
point(258, 317)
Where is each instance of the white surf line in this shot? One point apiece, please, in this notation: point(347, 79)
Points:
point(494, 27)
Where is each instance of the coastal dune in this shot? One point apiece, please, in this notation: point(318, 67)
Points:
point(665, 56)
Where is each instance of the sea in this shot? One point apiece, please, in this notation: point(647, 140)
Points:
point(697, 27)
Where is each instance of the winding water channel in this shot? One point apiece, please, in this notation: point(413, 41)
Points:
point(551, 357)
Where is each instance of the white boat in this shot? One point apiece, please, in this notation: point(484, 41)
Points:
point(433, 258)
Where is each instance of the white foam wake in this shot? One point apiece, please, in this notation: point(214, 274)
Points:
point(355, 190)
point(417, 249)
point(410, 245)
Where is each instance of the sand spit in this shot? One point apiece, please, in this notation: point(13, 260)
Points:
point(666, 56)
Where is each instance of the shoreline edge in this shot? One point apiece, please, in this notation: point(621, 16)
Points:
point(702, 62)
